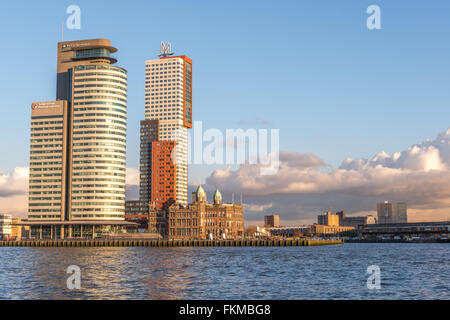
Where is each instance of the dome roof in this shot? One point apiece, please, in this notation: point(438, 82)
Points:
point(217, 196)
point(200, 192)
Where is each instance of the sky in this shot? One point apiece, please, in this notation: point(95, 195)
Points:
point(312, 69)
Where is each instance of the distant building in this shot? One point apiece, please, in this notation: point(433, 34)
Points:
point(288, 232)
point(339, 219)
point(272, 221)
point(137, 211)
point(328, 219)
point(5, 226)
point(315, 229)
point(261, 232)
point(17, 231)
point(356, 222)
point(415, 229)
point(329, 230)
point(392, 212)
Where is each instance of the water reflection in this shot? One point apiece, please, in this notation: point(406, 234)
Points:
point(409, 271)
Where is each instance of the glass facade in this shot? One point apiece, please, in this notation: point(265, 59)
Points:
point(46, 167)
point(99, 155)
point(92, 53)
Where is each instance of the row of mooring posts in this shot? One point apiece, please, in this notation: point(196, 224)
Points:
point(170, 243)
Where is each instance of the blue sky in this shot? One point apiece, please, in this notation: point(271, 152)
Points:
point(310, 68)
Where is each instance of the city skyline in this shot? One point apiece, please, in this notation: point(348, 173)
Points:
point(316, 172)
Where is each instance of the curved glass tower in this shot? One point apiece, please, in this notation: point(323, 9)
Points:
point(99, 142)
point(97, 92)
point(83, 134)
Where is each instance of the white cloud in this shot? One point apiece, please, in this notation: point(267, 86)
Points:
point(14, 183)
point(257, 207)
point(132, 176)
point(16, 205)
point(14, 192)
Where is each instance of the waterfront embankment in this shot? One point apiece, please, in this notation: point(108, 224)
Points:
point(169, 243)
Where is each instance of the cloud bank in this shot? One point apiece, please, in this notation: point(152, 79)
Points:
point(303, 186)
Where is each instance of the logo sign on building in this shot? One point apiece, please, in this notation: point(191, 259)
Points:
point(165, 49)
point(47, 107)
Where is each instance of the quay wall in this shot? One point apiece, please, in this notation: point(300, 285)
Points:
point(169, 243)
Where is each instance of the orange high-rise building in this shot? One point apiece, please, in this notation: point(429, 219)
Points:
point(168, 99)
point(163, 173)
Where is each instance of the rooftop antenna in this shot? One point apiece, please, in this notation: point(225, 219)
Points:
point(241, 199)
point(165, 49)
point(62, 32)
point(232, 198)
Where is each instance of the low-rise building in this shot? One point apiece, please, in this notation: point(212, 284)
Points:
point(137, 211)
point(441, 228)
point(262, 232)
point(5, 226)
point(202, 220)
point(358, 222)
point(198, 220)
point(288, 232)
point(341, 219)
point(329, 230)
point(17, 231)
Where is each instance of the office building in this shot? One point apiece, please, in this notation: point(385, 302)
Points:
point(328, 219)
point(149, 133)
point(340, 219)
point(168, 102)
point(392, 212)
point(272, 221)
point(78, 146)
point(48, 161)
point(359, 221)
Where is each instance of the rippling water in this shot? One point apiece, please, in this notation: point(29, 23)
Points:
point(408, 271)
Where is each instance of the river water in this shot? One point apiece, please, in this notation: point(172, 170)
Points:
point(407, 271)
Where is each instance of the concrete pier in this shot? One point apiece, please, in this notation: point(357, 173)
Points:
point(169, 243)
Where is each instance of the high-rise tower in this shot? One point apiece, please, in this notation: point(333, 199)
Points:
point(168, 99)
point(78, 142)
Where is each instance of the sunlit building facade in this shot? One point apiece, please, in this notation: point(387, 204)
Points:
point(203, 220)
point(168, 99)
point(392, 212)
point(78, 145)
